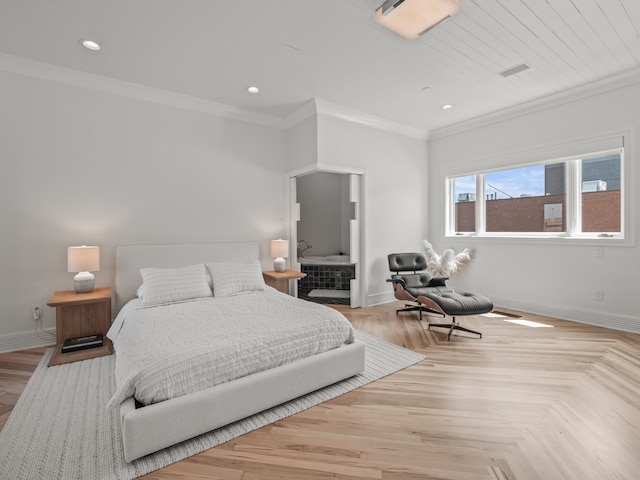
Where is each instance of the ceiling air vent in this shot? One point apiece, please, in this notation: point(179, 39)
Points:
point(515, 69)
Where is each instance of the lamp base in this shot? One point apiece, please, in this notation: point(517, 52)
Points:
point(279, 264)
point(84, 282)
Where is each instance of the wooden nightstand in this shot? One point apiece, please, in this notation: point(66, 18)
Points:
point(280, 280)
point(79, 315)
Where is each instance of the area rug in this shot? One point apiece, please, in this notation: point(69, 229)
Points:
point(60, 429)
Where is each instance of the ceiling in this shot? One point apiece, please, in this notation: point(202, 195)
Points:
point(334, 51)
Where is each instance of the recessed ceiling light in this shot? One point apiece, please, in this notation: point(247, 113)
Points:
point(91, 45)
point(447, 106)
point(253, 89)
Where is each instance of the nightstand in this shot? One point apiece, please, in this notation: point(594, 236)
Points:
point(280, 280)
point(79, 315)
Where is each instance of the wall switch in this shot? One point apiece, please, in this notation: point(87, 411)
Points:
point(598, 295)
point(36, 311)
point(597, 252)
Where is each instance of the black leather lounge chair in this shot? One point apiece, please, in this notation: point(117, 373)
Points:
point(432, 295)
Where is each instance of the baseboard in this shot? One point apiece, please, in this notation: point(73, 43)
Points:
point(11, 342)
point(380, 299)
point(590, 317)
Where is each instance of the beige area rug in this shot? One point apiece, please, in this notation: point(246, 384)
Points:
point(60, 429)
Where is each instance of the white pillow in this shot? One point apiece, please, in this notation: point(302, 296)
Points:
point(169, 285)
point(235, 278)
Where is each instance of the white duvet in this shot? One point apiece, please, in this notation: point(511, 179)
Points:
point(172, 350)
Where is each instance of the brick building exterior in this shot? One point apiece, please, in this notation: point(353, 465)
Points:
point(600, 213)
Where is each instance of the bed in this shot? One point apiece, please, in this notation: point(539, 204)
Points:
point(166, 419)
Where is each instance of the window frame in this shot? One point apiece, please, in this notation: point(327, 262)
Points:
point(618, 143)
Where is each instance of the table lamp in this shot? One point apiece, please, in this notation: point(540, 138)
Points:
point(83, 260)
point(279, 250)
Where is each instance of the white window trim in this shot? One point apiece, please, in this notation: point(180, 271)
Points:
point(573, 152)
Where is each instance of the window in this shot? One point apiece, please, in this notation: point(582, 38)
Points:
point(575, 197)
point(517, 200)
point(601, 202)
point(464, 189)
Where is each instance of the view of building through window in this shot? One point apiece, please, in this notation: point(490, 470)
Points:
point(601, 188)
point(464, 189)
point(534, 198)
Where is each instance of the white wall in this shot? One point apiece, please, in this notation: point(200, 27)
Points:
point(85, 167)
point(320, 197)
point(543, 277)
point(302, 144)
point(394, 186)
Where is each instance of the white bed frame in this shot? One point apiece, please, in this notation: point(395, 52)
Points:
point(154, 427)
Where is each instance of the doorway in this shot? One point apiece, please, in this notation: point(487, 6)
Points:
point(326, 235)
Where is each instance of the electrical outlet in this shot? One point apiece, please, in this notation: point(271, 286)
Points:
point(597, 252)
point(36, 311)
point(598, 295)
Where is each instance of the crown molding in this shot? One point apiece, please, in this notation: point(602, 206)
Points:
point(625, 79)
point(355, 116)
point(308, 110)
point(68, 76)
point(318, 106)
point(77, 78)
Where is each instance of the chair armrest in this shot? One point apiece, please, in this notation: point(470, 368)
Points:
point(438, 282)
point(397, 279)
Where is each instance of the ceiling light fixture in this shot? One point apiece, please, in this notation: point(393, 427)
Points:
point(253, 89)
point(412, 18)
point(91, 45)
point(447, 106)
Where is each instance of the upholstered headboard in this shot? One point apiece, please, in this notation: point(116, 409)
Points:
point(130, 258)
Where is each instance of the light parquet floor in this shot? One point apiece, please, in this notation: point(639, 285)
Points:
point(521, 403)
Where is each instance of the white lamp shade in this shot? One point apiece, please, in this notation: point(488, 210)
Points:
point(83, 259)
point(411, 18)
point(279, 248)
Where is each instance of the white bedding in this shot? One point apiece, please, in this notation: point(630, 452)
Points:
point(172, 350)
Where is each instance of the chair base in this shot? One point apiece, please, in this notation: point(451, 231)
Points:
point(454, 326)
point(418, 308)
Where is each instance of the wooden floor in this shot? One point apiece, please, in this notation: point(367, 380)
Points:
point(520, 403)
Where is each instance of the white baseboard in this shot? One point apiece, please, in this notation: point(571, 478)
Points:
point(380, 299)
point(11, 342)
point(590, 317)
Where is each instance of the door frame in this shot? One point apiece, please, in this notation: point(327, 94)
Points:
point(294, 217)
